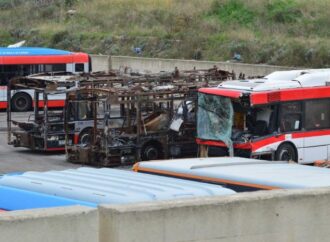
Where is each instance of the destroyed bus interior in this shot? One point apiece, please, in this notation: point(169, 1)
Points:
point(128, 125)
point(151, 116)
point(237, 124)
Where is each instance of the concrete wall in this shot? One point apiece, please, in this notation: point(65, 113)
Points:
point(272, 216)
point(101, 63)
point(294, 216)
point(156, 65)
point(67, 224)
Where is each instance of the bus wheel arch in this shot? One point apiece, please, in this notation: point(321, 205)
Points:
point(85, 136)
point(286, 151)
point(152, 150)
point(21, 102)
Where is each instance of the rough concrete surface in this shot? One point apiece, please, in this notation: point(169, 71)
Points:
point(272, 216)
point(64, 224)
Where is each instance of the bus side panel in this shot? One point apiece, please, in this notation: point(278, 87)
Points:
point(272, 145)
point(316, 148)
point(3, 97)
point(3, 89)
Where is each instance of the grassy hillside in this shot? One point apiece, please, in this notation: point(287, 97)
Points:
point(281, 32)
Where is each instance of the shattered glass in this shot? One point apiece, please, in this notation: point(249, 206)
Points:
point(215, 119)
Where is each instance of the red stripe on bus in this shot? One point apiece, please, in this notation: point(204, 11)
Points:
point(53, 103)
point(3, 105)
point(42, 59)
point(311, 133)
point(266, 141)
point(221, 92)
point(290, 95)
point(56, 149)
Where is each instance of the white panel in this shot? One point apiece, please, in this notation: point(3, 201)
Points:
point(70, 67)
point(312, 154)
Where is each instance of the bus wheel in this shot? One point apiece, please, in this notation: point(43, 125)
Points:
point(286, 152)
point(21, 102)
point(151, 152)
point(85, 137)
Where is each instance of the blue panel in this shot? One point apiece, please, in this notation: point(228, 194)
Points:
point(30, 51)
point(16, 199)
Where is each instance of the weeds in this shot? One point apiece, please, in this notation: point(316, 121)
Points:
point(281, 32)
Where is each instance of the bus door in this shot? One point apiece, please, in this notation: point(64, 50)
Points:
point(317, 126)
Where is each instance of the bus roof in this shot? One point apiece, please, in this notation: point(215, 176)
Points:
point(311, 84)
point(36, 55)
point(242, 172)
point(313, 78)
point(95, 186)
point(31, 51)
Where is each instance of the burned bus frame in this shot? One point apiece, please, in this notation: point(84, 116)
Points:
point(45, 131)
point(132, 141)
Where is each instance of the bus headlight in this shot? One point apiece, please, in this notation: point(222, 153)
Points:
point(53, 138)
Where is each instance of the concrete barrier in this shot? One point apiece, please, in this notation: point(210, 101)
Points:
point(156, 65)
point(272, 216)
point(65, 224)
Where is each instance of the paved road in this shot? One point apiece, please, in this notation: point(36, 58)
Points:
point(21, 159)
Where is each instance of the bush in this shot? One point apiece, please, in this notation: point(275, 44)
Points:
point(233, 11)
point(283, 11)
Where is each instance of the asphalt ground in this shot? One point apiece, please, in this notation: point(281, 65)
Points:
point(21, 159)
point(14, 159)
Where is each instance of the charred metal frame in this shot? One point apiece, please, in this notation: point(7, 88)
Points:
point(131, 94)
point(31, 133)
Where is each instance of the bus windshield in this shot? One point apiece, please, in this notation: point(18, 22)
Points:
point(215, 118)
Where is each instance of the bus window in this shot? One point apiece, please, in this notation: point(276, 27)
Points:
point(58, 67)
point(317, 115)
point(71, 111)
point(85, 111)
point(79, 67)
point(54, 67)
point(290, 119)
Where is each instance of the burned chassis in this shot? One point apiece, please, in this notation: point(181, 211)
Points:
point(45, 132)
point(132, 141)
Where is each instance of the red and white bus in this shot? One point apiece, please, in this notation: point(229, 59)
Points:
point(23, 61)
point(283, 117)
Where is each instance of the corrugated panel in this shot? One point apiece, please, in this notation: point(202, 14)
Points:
point(30, 51)
point(110, 185)
point(242, 171)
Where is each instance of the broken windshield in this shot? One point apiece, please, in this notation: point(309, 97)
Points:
point(215, 118)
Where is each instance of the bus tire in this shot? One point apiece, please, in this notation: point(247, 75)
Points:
point(151, 151)
point(286, 152)
point(21, 102)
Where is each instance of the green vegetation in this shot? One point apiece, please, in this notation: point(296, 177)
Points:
point(280, 32)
